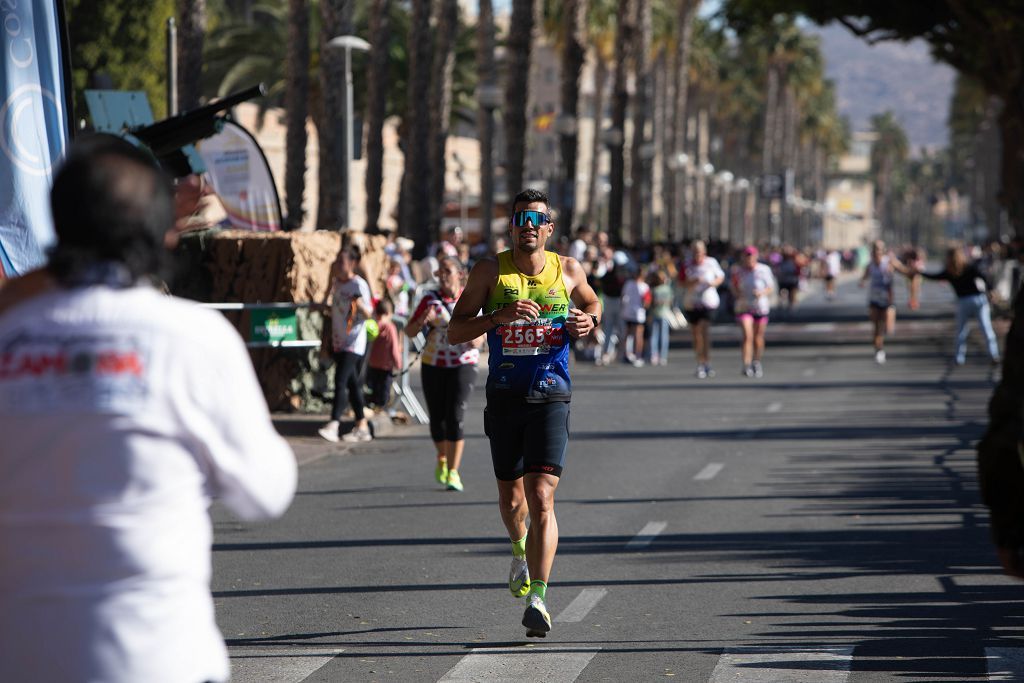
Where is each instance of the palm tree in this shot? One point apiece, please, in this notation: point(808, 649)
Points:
point(640, 162)
point(191, 32)
point(296, 98)
point(416, 180)
point(565, 22)
point(335, 20)
point(485, 115)
point(517, 89)
point(376, 108)
point(601, 21)
point(888, 154)
point(676, 141)
point(440, 104)
point(624, 43)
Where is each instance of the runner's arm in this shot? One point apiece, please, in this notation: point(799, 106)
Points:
point(465, 324)
point(585, 298)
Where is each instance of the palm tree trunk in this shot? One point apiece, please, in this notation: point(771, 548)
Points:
point(600, 83)
point(573, 53)
point(335, 20)
point(440, 104)
point(296, 104)
point(680, 89)
point(517, 89)
point(191, 33)
point(485, 114)
point(415, 200)
point(640, 164)
point(377, 84)
point(624, 38)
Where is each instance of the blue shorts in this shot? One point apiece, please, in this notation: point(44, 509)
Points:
point(527, 438)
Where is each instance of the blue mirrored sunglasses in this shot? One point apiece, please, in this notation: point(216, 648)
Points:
point(519, 218)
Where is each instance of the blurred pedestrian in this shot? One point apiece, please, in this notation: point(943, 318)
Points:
point(752, 284)
point(973, 288)
point(123, 413)
point(448, 371)
point(701, 276)
point(351, 307)
point(661, 311)
point(385, 357)
point(636, 296)
point(878, 275)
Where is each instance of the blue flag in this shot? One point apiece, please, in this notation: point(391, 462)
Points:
point(33, 128)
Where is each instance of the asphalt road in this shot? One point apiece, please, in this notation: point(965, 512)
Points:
point(820, 524)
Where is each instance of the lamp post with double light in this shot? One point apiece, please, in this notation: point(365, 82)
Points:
point(348, 43)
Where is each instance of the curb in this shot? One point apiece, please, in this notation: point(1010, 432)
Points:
point(300, 431)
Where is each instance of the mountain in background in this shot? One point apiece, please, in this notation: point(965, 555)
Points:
point(903, 77)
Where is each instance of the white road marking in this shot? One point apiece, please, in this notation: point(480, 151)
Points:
point(808, 372)
point(783, 665)
point(1005, 663)
point(647, 535)
point(820, 327)
point(278, 664)
point(774, 407)
point(582, 604)
point(709, 471)
point(515, 665)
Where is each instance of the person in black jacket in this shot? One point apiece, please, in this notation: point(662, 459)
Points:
point(972, 288)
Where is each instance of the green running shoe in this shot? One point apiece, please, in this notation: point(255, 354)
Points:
point(441, 472)
point(454, 480)
point(536, 618)
point(519, 577)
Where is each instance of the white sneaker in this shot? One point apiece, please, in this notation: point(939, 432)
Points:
point(519, 577)
point(536, 618)
point(329, 431)
point(358, 436)
point(880, 356)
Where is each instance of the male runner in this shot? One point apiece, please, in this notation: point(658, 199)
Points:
point(534, 302)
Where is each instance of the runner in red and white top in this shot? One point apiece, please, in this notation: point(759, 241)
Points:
point(449, 370)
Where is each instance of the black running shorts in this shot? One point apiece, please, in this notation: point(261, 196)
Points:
point(527, 438)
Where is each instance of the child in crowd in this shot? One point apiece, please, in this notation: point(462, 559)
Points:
point(385, 356)
point(661, 310)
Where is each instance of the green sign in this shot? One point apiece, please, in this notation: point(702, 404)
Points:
point(274, 326)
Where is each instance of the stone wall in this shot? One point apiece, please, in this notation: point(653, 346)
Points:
point(231, 266)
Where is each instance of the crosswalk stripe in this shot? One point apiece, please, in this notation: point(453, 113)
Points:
point(582, 604)
point(1005, 663)
point(506, 665)
point(709, 471)
point(783, 664)
point(278, 664)
point(646, 535)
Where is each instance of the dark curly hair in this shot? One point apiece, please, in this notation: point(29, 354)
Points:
point(111, 204)
point(529, 196)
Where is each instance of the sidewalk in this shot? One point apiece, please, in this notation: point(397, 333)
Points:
point(300, 431)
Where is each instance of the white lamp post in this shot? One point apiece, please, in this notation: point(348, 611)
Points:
point(348, 43)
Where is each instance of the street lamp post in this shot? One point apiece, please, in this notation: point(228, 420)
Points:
point(348, 43)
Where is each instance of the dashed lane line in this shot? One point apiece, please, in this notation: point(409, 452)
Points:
point(783, 665)
point(709, 471)
point(1005, 663)
point(277, 664)
point(774, 407)
point(646, 535)
point(582, 604)
point(506, 665)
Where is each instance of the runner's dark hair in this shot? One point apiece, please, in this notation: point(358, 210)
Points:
point(529, 196)
point(111, 204)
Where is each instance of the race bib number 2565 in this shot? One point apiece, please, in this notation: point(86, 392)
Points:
point(529, 338)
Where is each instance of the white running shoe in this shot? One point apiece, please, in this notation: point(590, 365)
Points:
point(536, 618)
point(758, 370)
point(519, 577)
point(358, 436)
point(880, 356)
point(702, 372)
point(329, 431)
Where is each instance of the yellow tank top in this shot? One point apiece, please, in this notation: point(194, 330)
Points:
point(529, 360)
